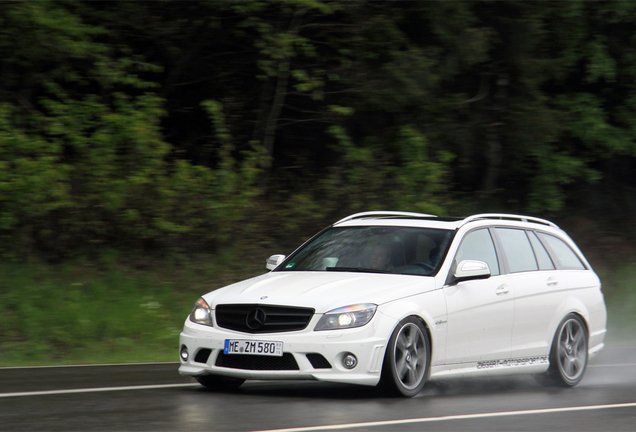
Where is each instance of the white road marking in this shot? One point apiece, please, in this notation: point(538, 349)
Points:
point(97, 389)
point(87, 365)
point(612, 365)
point(447, 418)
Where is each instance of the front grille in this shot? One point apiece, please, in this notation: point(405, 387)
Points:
point(255, 318)
point(256, 362)
point(318, 361)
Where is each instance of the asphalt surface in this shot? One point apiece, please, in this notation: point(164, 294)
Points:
point(153, 397)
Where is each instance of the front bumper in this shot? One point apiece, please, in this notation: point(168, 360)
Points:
point(367, 343)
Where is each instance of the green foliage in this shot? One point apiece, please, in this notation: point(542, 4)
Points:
point(411, 180)
point(421, 180)
point(83, 312)
point(76, 161)
point(31, 178)
point(50, 316)
point(234, 183)
point(86, 163)
point(588, 122)
point(178, 126)
point(159, 127)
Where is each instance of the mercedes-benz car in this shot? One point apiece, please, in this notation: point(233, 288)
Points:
point(397, 299)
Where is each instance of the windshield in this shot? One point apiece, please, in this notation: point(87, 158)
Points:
point(377, 249)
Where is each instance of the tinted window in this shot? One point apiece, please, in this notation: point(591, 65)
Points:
point(517, 249)
point(545, 263)
point(562, 252)
point(478, 245)
point(376, 249)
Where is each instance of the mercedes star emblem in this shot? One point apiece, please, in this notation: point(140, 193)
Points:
point(255, 319)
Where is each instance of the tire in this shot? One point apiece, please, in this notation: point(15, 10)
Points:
point(217, 382)
point(407, 359)
point(568, 354)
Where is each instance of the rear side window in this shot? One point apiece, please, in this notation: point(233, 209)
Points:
point(561, 252)
point(517, 250)
point(544, 260)
point(478, 245)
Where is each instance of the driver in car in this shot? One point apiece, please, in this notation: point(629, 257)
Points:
point(380, 258)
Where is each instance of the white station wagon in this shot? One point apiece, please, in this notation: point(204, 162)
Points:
point(396, 299)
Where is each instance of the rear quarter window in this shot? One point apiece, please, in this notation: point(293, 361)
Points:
point(543, 258)
point(561, 252)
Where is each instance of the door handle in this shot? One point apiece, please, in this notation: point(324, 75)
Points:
point(552, 281)
point(502, 289)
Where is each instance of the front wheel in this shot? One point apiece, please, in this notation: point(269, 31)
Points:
point(569, 353)
point(217, 382)
point(407, 358)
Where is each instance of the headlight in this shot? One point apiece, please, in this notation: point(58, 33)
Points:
point(347, 317)
point(201, 313)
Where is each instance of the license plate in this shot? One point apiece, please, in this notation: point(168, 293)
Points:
point(266, 348)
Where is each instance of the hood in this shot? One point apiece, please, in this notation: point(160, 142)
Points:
point(320, 290)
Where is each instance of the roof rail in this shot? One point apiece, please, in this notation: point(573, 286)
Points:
point(504, 216)
point(385, 213)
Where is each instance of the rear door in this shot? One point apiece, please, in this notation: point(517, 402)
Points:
point(539, 289)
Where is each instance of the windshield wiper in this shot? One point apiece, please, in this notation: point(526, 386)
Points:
point(357, 269)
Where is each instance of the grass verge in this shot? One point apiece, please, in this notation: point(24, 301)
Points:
point(87, 313)
point(619, 287)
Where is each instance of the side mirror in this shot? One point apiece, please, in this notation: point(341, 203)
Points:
point(470, 270)
point(274, 261)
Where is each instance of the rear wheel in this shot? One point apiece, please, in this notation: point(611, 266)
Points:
point(217, 382)
point(569, 353)
point(407, 359)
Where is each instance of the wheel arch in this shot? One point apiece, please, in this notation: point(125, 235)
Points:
point(427, 329)
point(585, 323)
point(571, 305)
point(403, 311)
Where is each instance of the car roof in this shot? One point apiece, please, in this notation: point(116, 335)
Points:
point(394, 218)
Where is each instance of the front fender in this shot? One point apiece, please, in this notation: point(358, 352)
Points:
point(433, 314)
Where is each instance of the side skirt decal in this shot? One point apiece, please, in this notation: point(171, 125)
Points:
point(513, 362)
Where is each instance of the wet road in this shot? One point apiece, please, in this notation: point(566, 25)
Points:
point(153, 397)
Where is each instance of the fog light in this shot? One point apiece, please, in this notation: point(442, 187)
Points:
point(184, 353)
point(349, 361)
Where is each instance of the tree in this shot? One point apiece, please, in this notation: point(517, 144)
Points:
point(84, 159)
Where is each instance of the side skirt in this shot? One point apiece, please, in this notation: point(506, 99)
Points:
point(525, 365)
